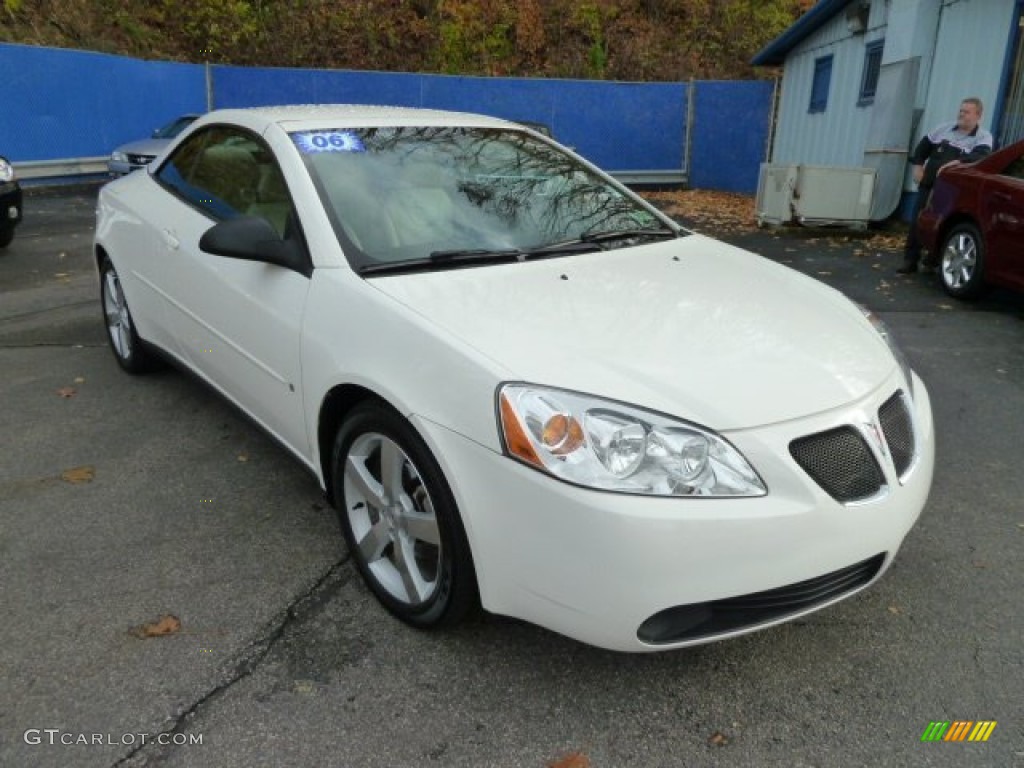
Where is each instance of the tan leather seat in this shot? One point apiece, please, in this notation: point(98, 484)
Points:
point(229, 174)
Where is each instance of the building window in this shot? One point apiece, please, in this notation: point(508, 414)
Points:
point(872, 66)
point(819, 87)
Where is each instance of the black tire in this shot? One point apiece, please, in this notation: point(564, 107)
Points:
point(129, 350)
point(6, 236)
point(963, 262)
point(412, 552)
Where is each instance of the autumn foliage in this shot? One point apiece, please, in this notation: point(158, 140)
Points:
point(598, 39)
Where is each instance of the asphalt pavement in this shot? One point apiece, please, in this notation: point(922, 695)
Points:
point(127, 500)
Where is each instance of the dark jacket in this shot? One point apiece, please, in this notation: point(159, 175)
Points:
point(946, 144)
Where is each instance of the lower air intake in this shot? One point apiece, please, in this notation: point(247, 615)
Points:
point(704, 620)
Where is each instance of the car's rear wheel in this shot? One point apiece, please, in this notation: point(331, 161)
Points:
point(400, 519)
point(128, 348)
point(963, 262)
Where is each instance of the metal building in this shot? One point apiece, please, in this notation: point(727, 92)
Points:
point(863, 81)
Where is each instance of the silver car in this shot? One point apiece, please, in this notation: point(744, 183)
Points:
point(138, 154)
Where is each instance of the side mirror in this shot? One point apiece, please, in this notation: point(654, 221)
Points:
point(253, 239)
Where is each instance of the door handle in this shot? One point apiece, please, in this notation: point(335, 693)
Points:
point(172, 242)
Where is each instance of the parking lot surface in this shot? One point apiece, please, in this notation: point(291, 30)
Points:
point(125, 500)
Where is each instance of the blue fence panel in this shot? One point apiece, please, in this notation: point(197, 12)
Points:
point(67, 104)
point(262, 86)
point(63, 104)
point(619, 126)
point(729, 134)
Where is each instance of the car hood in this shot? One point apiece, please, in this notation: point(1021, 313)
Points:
point(144, 147)
point(693, 328)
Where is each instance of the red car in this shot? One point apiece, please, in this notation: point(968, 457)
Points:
point(974, 223)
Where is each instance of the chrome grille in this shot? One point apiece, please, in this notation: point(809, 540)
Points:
point(140, 159)
point(894, 418)
point(840, 462)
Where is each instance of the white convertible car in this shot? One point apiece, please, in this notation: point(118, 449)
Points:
point(519, 384)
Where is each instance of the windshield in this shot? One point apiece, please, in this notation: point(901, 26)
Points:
point(431, 194)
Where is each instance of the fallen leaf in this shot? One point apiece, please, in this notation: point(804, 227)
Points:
point(825, 273)
point(79, 380)
point(727, 211)
point(243, 457)
point(572, 760)
point(979, 564)
point(165, 625)
point(67, 391)
point(78, 475)
point(945, 306)
point(61, 274)
point(895, 610)
point(718, 739)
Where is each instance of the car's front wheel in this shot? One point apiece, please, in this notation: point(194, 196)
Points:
point(6, 236)
point(963, 262)
point(400, 519)
point(128, 348)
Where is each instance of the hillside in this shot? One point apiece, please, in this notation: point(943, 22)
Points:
point(599, 39)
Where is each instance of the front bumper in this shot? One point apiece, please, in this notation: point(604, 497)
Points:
point(596, 566)
point(10, 205)
point(124, 167)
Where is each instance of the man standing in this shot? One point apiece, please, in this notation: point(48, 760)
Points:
point(964, 141)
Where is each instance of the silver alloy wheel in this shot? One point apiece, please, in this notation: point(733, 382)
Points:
point(392, 518)
point(119, 323)
point(959, 260)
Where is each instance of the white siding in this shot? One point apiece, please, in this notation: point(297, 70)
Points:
point(962, 53)
point(970, 51)
point(837, 135)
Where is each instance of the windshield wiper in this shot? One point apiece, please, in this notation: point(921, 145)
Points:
point(575, 245)
point(444, 259)
point(476, 256)
point(627, 234)
point(590, 241)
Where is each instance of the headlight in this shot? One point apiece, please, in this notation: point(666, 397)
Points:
point(119, 157)
point(6, 171)
point(886, 334)
point(611, 446)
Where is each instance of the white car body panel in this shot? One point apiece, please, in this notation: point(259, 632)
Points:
point(664, 326)
point(238, 324)
point(688, 327)
point(407, 360)
point(574, 559)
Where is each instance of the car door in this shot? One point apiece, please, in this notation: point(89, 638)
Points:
point(238, 322)
point(1003, 198)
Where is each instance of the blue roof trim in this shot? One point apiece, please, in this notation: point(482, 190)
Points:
point(774, 54)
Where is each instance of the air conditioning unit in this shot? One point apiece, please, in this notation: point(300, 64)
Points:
point(815, 195)
point(829, 195)
point(857, 18)
point(775, 185)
